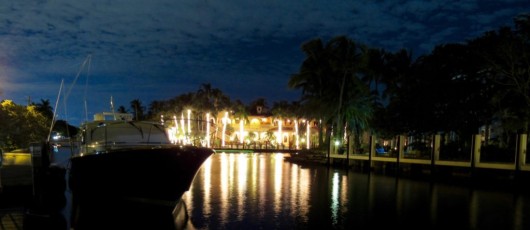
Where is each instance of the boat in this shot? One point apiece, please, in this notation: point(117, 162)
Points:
point(120, 174)
point(307, 157)
point(129, 165)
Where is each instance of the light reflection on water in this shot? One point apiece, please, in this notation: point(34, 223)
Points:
point(262, 191)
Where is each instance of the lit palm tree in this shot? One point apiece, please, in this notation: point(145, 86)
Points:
point(241, 112)
point(280, 111)
point(212, 100)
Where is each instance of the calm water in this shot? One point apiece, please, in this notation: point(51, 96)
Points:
point(262, 191)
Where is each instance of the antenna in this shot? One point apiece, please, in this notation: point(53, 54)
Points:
point(112, 107)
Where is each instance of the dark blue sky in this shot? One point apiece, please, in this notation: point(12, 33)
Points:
point(159, 49)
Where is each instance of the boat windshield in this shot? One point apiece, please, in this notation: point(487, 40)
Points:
point(112, 135)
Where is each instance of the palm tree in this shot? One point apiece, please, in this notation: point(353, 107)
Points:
point(344, 64)
point(397, 69)
point(241, 113)
point(44, 108)
point(312, 80)
point(212, 100)
point(138, 109)
point(331, 87)
point(156, 109)
point(280, 111)
point(122, 109)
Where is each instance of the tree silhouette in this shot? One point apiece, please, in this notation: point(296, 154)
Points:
point(138, 109)
point(44, 108)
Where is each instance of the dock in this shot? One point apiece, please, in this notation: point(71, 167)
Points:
point(13, 201)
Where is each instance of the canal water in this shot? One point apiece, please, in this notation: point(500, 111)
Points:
point(264, 191)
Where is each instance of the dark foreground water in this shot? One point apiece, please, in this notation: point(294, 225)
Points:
point(262, 191)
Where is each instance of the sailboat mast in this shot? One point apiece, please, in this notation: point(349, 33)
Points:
point(89, 60)
point(55, 110)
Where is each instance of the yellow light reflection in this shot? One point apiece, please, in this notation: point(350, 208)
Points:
point(242, 168)
point(278, 163)
point(224, 186)
point(242, 171)
point(243, 179)
point(254, 173)
point(294, 188)
point(262, 187)
point(207, 174)
point(335, 204)
point(300, 183)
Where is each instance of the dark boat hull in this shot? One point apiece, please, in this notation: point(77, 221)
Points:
point(157, 174)
point(128, 178)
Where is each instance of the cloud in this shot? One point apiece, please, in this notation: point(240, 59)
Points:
point(161, 48)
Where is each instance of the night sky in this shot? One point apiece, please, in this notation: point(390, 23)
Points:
point(159, 49)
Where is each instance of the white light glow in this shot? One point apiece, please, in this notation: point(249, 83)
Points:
point(176, 129)
point(296, 134)
point(307, 133)
point(208, 130)
point(225, 120)
point(241, 131)
point(279, 138)
point(189, 122)
point(182, 123)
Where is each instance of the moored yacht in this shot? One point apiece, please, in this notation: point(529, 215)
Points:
point(129, 162)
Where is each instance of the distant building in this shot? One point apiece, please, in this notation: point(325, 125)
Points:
point(264, 128)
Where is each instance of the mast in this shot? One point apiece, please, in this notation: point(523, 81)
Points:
point(89, 60)
point(55, 110)
point(85, 63)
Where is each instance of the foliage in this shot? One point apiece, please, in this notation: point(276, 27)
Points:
point(44, 108)
point(138, 109)
point(332, 90)
point(505, 59)
point(67, 130)
point(21, 125)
